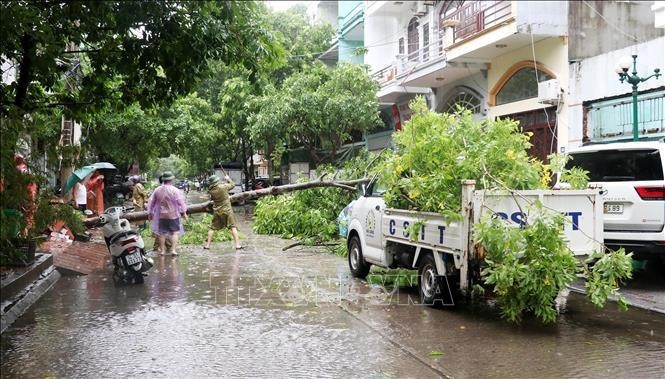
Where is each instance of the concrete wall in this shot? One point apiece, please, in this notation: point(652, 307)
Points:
point(590, 35)
point(323, 11)
point(350, 22)
point(381, 34)
point(658, 9)
point(346, 49)
point(595, 79)
point(542, 17)
point(553, 54)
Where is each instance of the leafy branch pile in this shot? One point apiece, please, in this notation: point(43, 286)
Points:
point(310, 214)
point(196, 231)
point(527, 266)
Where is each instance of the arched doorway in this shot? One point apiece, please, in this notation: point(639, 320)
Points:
point(465, 97)
point(520, 82)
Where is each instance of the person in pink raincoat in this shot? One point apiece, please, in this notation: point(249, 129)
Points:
point(166, 208)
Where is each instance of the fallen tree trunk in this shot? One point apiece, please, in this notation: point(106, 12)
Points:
point(247, 195)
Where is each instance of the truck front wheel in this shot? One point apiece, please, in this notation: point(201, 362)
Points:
point(430, 285)
point(359, 268)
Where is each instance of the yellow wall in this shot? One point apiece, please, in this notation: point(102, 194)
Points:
point(551, 53)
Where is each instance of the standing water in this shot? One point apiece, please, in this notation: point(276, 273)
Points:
point(267, 313)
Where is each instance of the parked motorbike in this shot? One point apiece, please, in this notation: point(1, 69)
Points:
point(126, 246)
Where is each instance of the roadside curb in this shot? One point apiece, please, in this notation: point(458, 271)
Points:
point(634, 300)
point(22, 291)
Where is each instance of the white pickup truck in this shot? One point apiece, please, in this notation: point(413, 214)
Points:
point(445, 253)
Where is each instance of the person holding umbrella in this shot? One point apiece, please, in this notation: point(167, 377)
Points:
point(95, 188)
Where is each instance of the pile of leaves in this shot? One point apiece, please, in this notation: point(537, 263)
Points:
point(196, 231)
point(526, 267)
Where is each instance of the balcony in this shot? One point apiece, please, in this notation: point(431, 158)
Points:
point(474, 17)
point(412, 63)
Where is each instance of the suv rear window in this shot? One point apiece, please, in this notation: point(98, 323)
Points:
point(620, 165)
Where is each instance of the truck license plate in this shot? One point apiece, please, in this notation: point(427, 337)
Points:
point(134, 258)
point(613, 208)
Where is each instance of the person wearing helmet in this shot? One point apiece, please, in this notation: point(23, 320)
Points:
point(222, 211)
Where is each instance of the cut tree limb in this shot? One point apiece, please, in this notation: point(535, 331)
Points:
point(247, 195)
point(299, 243)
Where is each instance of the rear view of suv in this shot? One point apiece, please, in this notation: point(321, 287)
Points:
point(633, 175)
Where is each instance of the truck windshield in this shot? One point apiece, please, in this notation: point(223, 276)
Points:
point(619, 165)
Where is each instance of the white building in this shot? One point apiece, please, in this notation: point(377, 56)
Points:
point(492, 56)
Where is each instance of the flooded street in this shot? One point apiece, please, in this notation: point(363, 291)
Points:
point(267, 313)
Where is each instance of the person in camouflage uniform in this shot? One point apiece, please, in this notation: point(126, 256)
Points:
point(139, 194)
point(222, 211)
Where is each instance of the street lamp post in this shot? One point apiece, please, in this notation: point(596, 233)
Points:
point(633, 79)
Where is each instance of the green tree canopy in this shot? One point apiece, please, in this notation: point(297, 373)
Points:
point(303, 41)
point(84, 53)
point(318, 107)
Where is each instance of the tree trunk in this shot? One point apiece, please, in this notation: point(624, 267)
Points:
point(247, 195)
point(25, 70)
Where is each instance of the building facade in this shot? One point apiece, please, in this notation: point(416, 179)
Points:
point(540, 62)
point(602, 34)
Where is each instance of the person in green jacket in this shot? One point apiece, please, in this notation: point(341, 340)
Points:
point(222, 212)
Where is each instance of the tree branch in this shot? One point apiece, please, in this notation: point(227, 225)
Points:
point(82, 51)
point(25, 70)
point(247, 195)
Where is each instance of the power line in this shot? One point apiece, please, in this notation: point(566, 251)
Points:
point(547, 117)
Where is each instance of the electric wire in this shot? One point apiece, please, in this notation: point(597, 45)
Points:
point(547, 117)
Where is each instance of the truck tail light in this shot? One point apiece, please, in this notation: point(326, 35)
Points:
point(127, 242)
point(651, 193)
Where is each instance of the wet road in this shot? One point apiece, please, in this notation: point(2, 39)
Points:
point(267, 313)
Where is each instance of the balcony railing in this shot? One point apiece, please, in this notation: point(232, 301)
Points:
point(475, 16)
point(385, 74)
point(411, 62)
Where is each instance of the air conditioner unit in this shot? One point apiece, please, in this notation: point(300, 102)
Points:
point(549, 92)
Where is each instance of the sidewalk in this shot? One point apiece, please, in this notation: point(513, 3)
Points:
point(645, 291)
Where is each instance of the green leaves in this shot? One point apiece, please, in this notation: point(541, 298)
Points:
point(575, 177)
point(311, 213)
point(155, 50)
point(196, 232)
point(527, 267)
point(318, 107)
point(604, 276)
point(435, 152)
